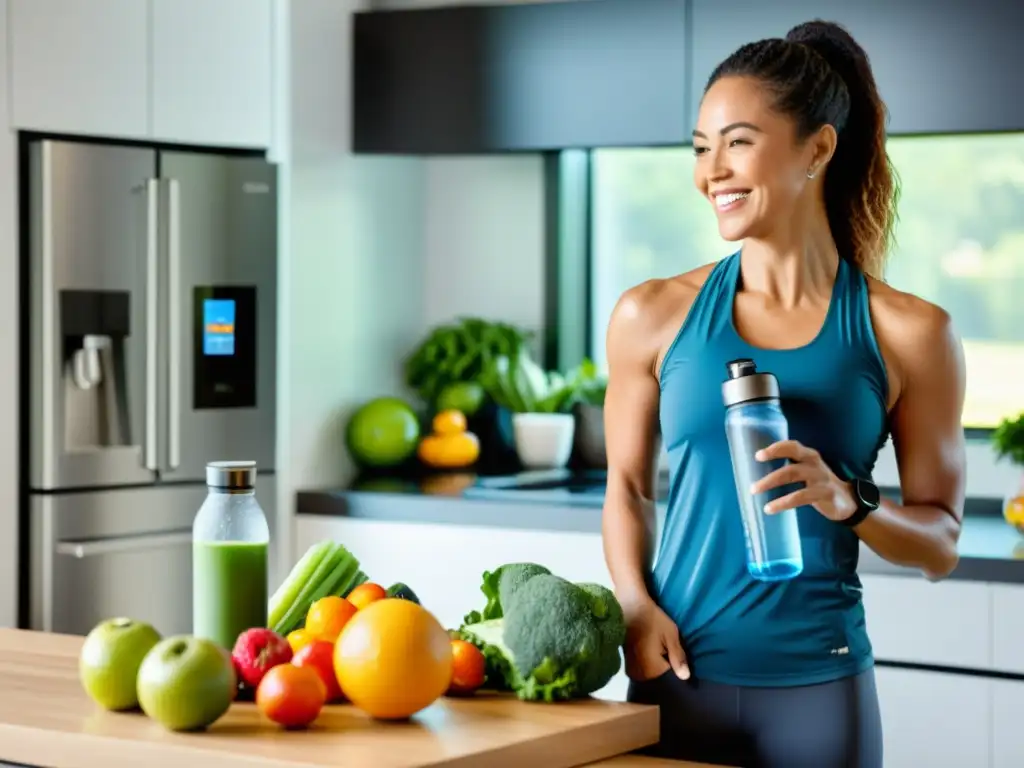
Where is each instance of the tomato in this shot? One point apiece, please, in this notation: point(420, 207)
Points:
point(328, 616)
point(366, 593)
point(291, 696)
point(319, 656)
point(467, 668)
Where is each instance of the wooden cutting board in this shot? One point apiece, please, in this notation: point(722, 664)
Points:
point(47, 720)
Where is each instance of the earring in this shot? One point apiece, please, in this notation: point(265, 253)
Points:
point(810, 174)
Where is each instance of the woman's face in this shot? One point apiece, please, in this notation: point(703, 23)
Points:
point(750, 164)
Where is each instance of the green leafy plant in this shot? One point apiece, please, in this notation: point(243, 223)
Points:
point(1008, 439)
point(460, 352)
point(589, 383)
point(520, 384)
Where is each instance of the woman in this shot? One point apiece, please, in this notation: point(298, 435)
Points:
point(790, 152)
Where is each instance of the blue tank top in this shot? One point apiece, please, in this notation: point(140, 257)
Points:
point(737, 630)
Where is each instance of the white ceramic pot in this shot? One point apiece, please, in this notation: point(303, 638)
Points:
point(543, 440)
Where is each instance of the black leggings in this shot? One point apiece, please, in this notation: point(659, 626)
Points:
point(830, 725)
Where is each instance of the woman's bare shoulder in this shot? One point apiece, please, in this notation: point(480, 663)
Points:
point(905, 316)
point(654, 302)
point(648, 315)
point(915, 335)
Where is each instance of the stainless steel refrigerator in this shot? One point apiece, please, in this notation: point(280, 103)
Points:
point(151, 347)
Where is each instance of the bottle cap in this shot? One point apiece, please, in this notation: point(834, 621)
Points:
point(745, 383)
point(231, 475)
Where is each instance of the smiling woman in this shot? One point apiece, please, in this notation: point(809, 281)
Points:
point(957, 243)
point(790, 156)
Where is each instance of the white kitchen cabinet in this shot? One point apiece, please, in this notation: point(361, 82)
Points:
point(935, 719)
point(80, 66)
point(911, 619)
point(1008, 628)
point(1007, 732)
point(212, 72)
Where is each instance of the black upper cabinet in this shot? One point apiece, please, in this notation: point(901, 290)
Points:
point(941, 65)
point(521, 77)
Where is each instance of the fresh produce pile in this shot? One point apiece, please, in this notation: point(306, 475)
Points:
point(349, 640)
point(539, 636)
point(543, 637)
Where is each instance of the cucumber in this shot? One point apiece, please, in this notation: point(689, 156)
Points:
point(402, 591)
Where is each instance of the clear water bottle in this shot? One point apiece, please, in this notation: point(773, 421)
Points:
point(230, 552)
point(754, 420)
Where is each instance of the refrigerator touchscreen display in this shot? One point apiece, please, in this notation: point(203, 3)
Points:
point(218, 326)
point(224, 358)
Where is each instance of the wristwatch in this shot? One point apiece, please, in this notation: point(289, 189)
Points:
point(867, 496)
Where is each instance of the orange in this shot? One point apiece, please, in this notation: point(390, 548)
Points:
point(328, 616)
point(467, 668)
point(393, 659)
point(449, 422)
point(299, 639)
point(366, 593)
point(453, 451)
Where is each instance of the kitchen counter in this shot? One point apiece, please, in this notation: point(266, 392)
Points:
point(47, 720)
point(990, 549)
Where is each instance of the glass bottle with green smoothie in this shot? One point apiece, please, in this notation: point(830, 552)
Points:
point(230, 542)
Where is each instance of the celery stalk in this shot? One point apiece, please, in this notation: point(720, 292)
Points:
point(345, 568)
point(283, 599)
point(298, 609)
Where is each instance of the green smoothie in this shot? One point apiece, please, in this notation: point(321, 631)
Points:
point(229, 589)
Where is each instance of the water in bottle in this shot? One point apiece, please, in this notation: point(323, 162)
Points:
point(754, 420)
point(230, 540)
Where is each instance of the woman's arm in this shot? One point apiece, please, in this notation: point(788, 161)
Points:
point(631, 437)
point(928, 437)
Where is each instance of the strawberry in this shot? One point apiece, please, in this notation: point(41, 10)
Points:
point(256, 652)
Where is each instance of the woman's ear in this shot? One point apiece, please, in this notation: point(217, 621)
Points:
point(822, 145)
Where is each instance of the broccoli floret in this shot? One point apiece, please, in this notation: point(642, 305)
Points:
point(555, 640)
point(514, 575)
point(499, 585)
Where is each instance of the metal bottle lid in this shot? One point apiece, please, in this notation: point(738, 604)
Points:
point(745, 383)
point(231, 475)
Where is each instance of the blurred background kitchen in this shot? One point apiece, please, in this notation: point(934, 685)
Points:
point(314, 232)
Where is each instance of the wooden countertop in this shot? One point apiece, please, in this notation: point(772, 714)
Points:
point(46, 719)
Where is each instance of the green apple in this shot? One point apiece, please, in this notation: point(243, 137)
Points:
point(109, 661)
point(186, 683)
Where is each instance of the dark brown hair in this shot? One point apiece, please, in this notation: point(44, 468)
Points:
point(818, 74)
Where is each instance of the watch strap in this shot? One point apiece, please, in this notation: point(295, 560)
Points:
point(866, 495)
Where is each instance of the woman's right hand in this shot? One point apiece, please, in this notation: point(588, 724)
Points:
point(653, 646)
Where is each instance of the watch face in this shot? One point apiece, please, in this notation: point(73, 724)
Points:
point(869, 493)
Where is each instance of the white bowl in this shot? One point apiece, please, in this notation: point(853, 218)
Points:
point(543, 440)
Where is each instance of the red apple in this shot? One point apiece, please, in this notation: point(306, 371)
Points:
point(256, 652)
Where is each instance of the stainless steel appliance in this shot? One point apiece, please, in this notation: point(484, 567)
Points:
point(152, 317)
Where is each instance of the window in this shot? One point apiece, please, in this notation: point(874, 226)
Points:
point(960, 244)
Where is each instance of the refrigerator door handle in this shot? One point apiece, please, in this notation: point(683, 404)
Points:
point(174, 320)
point(95, 547)
point(152, 319)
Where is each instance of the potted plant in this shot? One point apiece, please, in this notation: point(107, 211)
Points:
point(1008, 441)
point(540, 403)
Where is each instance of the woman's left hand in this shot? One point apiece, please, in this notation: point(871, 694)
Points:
point(822, 490)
